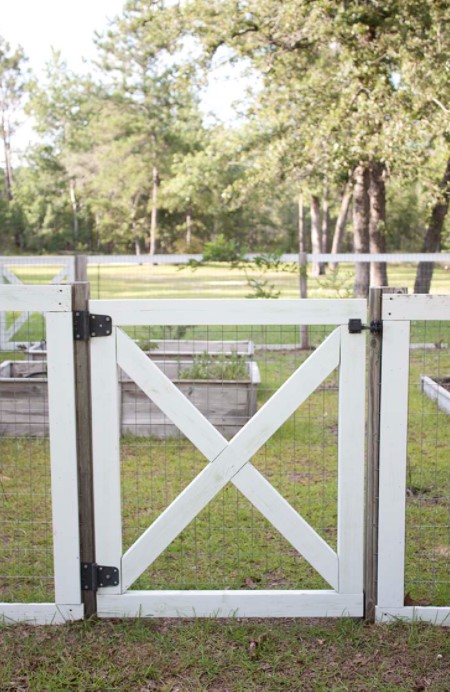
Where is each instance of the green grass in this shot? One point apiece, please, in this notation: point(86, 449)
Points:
point(224, 656)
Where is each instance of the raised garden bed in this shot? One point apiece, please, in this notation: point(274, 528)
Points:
point(227, 403)
point(172, 348)
point(437, 389)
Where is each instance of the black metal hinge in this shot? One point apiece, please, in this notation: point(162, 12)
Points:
point(355, 326)
point(94, 576)
point(86, 325)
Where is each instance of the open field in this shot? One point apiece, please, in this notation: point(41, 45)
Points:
point(220, 281)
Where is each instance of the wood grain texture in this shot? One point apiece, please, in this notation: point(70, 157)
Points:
point(270, 603)
point(230, 311)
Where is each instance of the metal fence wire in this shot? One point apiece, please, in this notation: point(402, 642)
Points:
point(26, 557)
point(427, 577)
point(228, 372)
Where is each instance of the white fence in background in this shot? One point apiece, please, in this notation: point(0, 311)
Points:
point(55, 303)
point(350, 258)
point(64, 274)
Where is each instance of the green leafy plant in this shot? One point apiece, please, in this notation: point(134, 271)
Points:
point(222, 250)
point(221, 367)
point(340, 283)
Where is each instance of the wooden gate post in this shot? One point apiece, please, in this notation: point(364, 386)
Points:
point(80, 301)
point(373, 448)
point(373, 451)
point(80, 268)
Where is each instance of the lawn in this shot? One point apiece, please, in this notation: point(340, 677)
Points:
point(224, 656)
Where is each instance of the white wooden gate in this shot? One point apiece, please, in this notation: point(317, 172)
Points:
point(55, 303)
point(230, 461)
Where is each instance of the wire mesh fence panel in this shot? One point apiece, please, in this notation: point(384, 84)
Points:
point(427, 568)
point(26, 560)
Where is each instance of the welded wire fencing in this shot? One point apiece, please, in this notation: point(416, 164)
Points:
point(228, 373)
point(26, 547)
point(427, 577)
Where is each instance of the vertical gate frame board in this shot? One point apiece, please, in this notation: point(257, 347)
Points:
point(63, 445)
point(106, 453)
point(398, 311)
point(351, 444)
point(116, 601)
point(55, 302)
point(393, 439)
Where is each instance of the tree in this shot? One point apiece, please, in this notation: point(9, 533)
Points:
point(13, 78)
point(152, 83)
point(329, 73)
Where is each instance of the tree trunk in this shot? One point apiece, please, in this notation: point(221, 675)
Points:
point(188, 229)
point(377, 195)
point(316, 234)
point(325, 222)
point(302, 268)
point(361, 216)
point(154, 213)
point(341, 222)
point(432, 242)
point(8, 160)
point(73, 200)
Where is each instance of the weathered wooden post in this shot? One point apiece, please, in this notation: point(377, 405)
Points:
point(80, 298)
point(81, 268)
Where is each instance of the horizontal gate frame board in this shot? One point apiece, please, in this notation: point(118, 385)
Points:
point(416, 307)
point(35, 298)
point(433, 615)
point(40, 613)
point(209, 311)
point(230, 603)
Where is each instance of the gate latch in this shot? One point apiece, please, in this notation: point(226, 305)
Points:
point(94, 576)
point(355, 326)
point(86, 325)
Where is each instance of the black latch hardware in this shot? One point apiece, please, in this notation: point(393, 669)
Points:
point(86, 325)
point(94, 576)
point(355, 326)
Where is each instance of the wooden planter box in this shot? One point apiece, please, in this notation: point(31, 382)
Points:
point(438, 390)
point(23, 398)
point(227, 404)
point(172, 349)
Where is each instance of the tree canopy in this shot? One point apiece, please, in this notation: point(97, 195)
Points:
point(354, 98)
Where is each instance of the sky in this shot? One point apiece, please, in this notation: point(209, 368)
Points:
point(39, 25)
